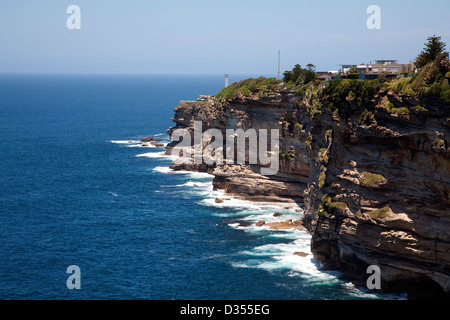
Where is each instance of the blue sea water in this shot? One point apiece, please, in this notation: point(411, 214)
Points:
point(74, 191)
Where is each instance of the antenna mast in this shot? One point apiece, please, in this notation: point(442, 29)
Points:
point(278, 64)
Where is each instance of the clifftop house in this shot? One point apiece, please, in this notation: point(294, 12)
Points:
point(390, 68)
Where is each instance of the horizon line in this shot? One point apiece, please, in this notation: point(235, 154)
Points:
point(128, 73)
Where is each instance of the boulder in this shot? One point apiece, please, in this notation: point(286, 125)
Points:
point(150, 139)
point(260, 223)
point(277, 214)
point(300, 253)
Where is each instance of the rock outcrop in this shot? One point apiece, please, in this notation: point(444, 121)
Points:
point(150, 139)
point(370, 166)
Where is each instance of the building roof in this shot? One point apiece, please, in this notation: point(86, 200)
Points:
point(383, 61)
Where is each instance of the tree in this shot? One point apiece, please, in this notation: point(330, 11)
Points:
point(292, 75)
point(296, 72)
point(298, 75)
point(287, 76)
point(310, 67)
point(433, 48)
point(310, 73)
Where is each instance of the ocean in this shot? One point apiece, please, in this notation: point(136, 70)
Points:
point(75, 191)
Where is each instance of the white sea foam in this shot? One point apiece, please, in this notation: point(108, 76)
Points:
point(232, 202)
point(157, 155)
point(138, 144)
point(201, 175)
point(197, 185)
point(141, 145)
point(191, 174)
point(281, 257)
point(151, 155)
point(167, 170)
point(125, 141)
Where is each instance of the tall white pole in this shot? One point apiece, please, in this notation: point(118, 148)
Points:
point(278, 64)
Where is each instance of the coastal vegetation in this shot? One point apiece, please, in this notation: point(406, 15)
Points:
point(371, 180)
point(322, 177)
point(192, 104)
point(432, 80)
point(323, 157)
point(433, 48)
point(300, 76)
point(379, 213)
point(285, 155)
point(328, 204)
point(260, 86)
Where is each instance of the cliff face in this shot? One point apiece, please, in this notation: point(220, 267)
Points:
point(381, 195)
point(372, 168)
point(244, 113)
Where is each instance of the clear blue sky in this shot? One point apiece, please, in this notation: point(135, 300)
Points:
point(210, 36)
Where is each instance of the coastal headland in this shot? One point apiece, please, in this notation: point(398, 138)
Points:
point(368, 161)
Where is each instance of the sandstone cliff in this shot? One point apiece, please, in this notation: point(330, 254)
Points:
point(369, 162)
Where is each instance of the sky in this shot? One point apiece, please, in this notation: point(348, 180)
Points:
point(212, 37)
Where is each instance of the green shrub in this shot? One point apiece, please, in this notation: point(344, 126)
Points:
point(314, 107)
point(431, 80)
point(285, 155)
point(322, 177)
point(399, 86)
point(435, 90)
point(439, 144)
point(245, 91)
point(367, 118)
point(371, 180)
point(323, 157)
point(328, 204)
point(246, 87)
point(403, 110)
point(390, 107)
point(299, 126)
point(300, 92)
point(339, 91)
point(308, 141)
point(322, 212)
point(379, 213)
point(419, 108)
point(192, 104)
point(341, 206)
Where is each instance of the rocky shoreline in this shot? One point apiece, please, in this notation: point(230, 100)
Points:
point(374, 181)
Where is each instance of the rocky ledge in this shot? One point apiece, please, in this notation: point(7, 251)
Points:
point(369, 163)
